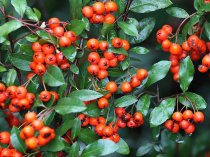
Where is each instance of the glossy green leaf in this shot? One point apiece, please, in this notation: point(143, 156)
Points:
point(77, 26)
point(139, 50)
point(54, 146)
point(191, 100)
point(145, 6)
point(207, 29)
point(70, 53)
point(10, 77)
point(157, 72)
point(163, 112)
point(76, 127)
point(65, 126)
point(7, 28)
point(20, 6)
point(128, 28)
point(74, 150)
point(177, 12)
point(145, 149)
point(54, 77)
point(106, 28)
point(69, 105)
point(125, 101)
point(21, 61)
point(87, 135)
point(75, 9)
point(92, 110)
point(16, 141)
point(143, 104)
point(30, 14)
point(2, 69)
point(74, 69)
point(99, 148)
point(118, 51)
point(186, 73)
point(123, 147)
point(83, 77)
point(86, 95)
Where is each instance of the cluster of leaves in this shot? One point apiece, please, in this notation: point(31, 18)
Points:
point(16, 55)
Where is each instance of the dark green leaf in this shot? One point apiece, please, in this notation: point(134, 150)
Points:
point(87, 136)
point(69, 105)
point(31, 15)
point(21, 61)
point(77, 26)
point(143, 104)
point(54, 77)
point(76, 128)
point(128, 28)
point(54, 146)
point(157, 72)
point(186, 73)
point(10, 77)
point(86, 95)
point(139, 50)
point(145, 6)
point(66, 125)
point(20, 6)
point(106, 28)
point(145, 149)
point(118, 51)
point(123, 147)
point(92, 110)
point(16, 141)
point(125, 64)
point(125, 101)
point(70, 53)
point(48, 119)
point(195, 99)
point(75, 9)
point(83, 77)
point(99, 148)
point(163, 112)
point(207, 29)
point(74, 69)
point(7, 28)
point(74, 150)
point(177, 12)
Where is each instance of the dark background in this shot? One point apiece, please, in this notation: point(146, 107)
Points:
point(196, 145)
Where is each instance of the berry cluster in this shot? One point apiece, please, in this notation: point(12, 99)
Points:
point(45, 55)
point(99, 65)
point(45, 96)
point(125, 119)
point(135, 81)
point(193, 46)
point(34, 127)
point(10, 152)
point(184, 121)
point(18, 96)
point(100, 12)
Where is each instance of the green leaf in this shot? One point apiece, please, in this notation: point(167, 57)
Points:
point(2, 69)
point(125, 101)
point(21, 61)
point(69, 105)
point(139, 50)
point(77, 26)
point(128, 28)
point(54, 77)
point(143, 104)
point(16, 141)
point(74, 69)
point(163, 112)
point(76, 127)
point(92, 110)
point(123, 147)
point(106, 28)
point(145, 28)
point(99, 148)
point(65, 126)
point(145, 6)
point(177, 12)
point(125, 64)
point(87, 135)
point(49, 118)
point(118, 51)
point(207, 29)
point(75, 9)
point(86, 95)
point(31, 15)
point(186, 73)
point(198, 3)
point(7, 28)
point(195, 99)
point(74, 150)
point(37, 12)
point(87, 23)
point(20, 6)
point(145, 149)
point(10, 77)
point(54, 146)
point(83, 77)
point(121, 6)
point(70, 53)
point(157, 72)
point(4, 2)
